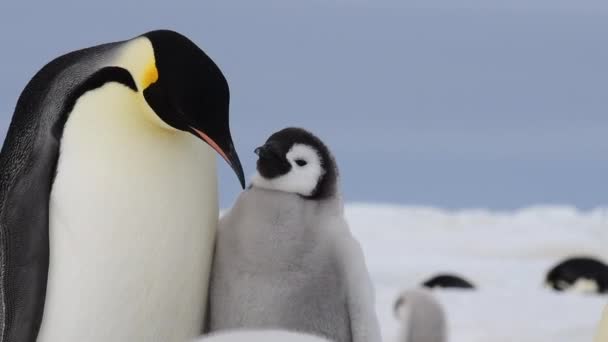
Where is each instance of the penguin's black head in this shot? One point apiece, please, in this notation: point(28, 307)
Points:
point(559, 279)
point(294, 160)
point(448, 281)
point(187, 90)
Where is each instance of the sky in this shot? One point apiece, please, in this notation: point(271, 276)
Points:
point(468, 104)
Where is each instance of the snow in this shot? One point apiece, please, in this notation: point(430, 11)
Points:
point(505, 254)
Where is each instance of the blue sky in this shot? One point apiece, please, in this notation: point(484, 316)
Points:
point(494, 104)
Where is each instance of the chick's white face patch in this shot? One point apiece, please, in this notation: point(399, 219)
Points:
point(306, 171)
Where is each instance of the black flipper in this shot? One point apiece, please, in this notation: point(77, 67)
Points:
point(27, 168)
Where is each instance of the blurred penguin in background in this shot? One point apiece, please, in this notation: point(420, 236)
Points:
point(285, 257)
point(422, 317)
point(445, 281)
point(580, 275)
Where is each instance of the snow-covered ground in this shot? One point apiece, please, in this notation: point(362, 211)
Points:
point(506, 254)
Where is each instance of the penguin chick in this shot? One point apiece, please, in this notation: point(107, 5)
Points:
point(285, 257)
point(448, 281)
point(260, 335)
point(422, 317)
point(579, 274)
point(295, 161)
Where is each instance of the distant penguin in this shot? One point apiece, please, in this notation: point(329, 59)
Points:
point(285, 257)
point(448, 281)
point(108, 194)
point(260, 335)
point(422, 317)
point(579, 274)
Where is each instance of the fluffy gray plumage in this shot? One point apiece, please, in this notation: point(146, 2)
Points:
point(286, 262)
point(422, 317)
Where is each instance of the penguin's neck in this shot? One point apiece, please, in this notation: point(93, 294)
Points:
point(275, 232)
point(281, 205)
point(133, 213)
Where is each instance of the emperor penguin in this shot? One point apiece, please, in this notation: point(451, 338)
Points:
point(108, 194)
point(446, 280)
point(579, 274)
point(422, 317)
point(285, 257)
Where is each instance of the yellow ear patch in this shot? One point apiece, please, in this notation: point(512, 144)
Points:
point(150, 76)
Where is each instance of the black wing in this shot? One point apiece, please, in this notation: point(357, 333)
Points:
point(27, 168)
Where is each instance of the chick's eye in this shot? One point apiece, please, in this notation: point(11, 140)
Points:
point(301, 162)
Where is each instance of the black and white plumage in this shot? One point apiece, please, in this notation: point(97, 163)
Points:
point(448, 281)
point(294, 160)
point(104, 181)
point(421, 317)
point(579, 274)
point(285, 257)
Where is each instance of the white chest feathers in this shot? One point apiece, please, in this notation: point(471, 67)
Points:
point(584, 286)
point(133, 214)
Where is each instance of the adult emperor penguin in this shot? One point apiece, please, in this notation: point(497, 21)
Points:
point(108, 196)
point(579, 274)
point(447, 280)
point(285, 257)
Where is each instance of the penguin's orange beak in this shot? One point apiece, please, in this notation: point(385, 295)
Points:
point(228, 153)
point(213, 145)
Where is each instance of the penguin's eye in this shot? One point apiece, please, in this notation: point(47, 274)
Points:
point(301, 162)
